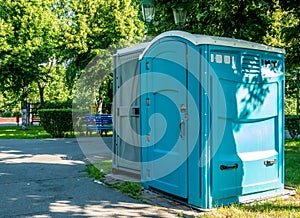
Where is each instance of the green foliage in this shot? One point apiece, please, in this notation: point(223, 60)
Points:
point(292, 124)
point(7, 114)
point(133, 189)
point(58, 105)
point(56, 122)
point(99, 170)
point(290, 105)
point(291, 33)
point(29, 33)
point(95, 84)
point(236, 19)
point(93, 25)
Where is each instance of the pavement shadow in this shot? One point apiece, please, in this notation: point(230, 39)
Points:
point(45, 178)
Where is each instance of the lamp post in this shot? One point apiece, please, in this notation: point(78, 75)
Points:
point(295, 72)
point(298, 103)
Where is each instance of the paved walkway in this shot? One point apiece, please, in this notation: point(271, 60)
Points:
point(44, 178)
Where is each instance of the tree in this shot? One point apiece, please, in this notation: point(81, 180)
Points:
point(93, 25)
point(29, 32)
point(241, 19)
point(292, 33)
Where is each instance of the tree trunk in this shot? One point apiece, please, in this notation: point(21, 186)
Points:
point(24, 107)
point(41, 92)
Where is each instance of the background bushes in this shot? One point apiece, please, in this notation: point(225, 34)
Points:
point(7, 114)
point(58, 105)
point(56, 122)
point(292, 124)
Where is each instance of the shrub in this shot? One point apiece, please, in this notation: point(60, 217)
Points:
point(292, 124)
point(56, 121)
point(58, 105)
point(7, 114)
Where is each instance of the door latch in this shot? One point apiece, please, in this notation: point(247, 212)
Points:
point(270, 162)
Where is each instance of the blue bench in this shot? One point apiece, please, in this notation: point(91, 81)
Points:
point(98, 123)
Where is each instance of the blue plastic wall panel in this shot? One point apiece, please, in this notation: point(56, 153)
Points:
point(249, 159)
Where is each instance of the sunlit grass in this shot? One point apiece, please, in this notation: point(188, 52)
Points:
point(292, 164)
point(38, 132)
point(16, 132)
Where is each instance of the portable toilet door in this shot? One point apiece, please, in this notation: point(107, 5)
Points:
point(166, 125)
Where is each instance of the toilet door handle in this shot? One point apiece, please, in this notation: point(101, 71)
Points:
point(270, 162)
point(224, 167)
point(181, 126)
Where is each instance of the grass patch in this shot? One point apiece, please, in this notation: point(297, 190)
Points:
point(16, 132)
point(100, 169)
point(38, 132)
point(292, 163)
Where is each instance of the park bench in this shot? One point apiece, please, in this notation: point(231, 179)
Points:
point(98, 122)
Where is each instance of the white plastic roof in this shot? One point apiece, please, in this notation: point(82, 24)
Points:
point(132, 49)
point(213, 40)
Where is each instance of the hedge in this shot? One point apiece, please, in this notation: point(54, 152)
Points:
point(56, 122)
point(58, 105)
point(292, 124)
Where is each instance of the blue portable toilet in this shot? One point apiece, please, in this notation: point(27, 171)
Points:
point(211, 118)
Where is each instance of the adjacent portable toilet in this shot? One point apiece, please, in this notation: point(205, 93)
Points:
point(203, 119)
point(126, 110)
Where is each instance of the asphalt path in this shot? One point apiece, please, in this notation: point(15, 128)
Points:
point(45, 178)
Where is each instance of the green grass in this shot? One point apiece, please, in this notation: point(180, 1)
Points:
point(38, 132)
point(100, 169)
point(292, 164)
point(16, 132)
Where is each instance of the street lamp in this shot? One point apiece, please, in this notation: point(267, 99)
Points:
point(148, 10)
point(297, 81)
point(179, 15)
